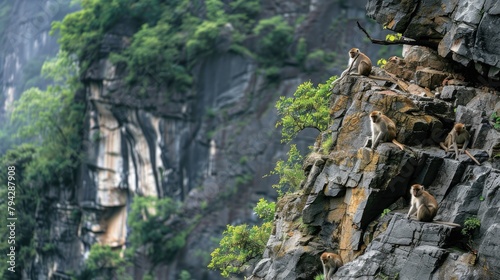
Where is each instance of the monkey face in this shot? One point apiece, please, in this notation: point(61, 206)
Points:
point(459, 127)
point(416, 190)
point(353, 52)
point(375, 115)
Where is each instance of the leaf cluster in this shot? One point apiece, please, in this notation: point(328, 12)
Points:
point(308, 108)
point(152, 228)
point(104, 263)
point(241, 245)
point(289, 171)
point(172, 35)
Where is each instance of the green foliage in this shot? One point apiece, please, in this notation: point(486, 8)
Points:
point(327, 144)
point(393, 37)
point(301, 52)
point(308, 108)
point(173, 35)
point(52, 119)
point(289, 171)
point(385, 212)
point(104, 263)
point(265, 210)
point(381, 62)
point(160, 243)
point(319, 277)
point(25, 193)
point(48, 123)
point(276, 35)
point(184, 275)
point(470, 225)
point(496, 120)
point(241, 245)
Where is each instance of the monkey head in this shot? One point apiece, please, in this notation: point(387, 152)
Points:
point(416, 190)
point(353, 52)
point(459, 127)
point(375, 115)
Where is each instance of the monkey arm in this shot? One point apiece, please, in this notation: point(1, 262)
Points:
point(413, 209)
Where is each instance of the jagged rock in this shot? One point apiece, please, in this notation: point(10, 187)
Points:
point(465, 30)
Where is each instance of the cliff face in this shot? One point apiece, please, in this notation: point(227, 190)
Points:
point(210, 146)
point(354, 199)
point(218, 140)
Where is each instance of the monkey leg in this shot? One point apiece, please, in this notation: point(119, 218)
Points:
point(443, 146)
point(424, 214)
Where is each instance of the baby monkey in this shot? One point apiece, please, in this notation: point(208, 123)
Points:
point(423, 203)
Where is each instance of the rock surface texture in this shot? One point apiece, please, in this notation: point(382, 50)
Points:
point(354, 200)
point(465, 31)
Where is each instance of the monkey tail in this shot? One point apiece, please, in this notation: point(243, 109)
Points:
point(401, 146)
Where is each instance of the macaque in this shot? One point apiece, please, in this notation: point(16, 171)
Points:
point(457, 138)
point(423, 203)
point(383, 130)
point(331, 262)
point(360, 64)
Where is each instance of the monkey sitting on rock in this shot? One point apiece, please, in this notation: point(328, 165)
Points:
point(361, 65)
point(423, 203)
point(458, 138)
point(383, 130)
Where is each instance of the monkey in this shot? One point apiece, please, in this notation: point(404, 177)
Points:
point(423, 203)
point(331, 262)
point(383, 129)
point(458, 138)
point(360, 64)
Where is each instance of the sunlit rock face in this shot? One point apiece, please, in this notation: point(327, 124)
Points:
point(465, 31)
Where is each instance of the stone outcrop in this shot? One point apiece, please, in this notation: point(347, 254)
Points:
point(465, 31)
point(350, 187)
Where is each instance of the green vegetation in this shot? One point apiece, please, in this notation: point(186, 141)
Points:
point(48, 123)
point(241, 245)
point(308, 108)
point(276, 36)
point(104, 263)
point(319, 277)
point(289, 171)
point(496, 120)
point(385, 212)
point(159, 243)
point(393, 37)
point(173, 35)
point(470, 226)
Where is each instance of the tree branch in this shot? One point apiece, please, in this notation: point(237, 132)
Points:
point(425, 43)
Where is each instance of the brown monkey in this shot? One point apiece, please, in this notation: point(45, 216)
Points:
point(383, 130)
point(423, 203)
point(458, 138)
point(360, 64)
point(331, 262)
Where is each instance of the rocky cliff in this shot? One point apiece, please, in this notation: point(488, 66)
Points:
point(207, 148)
point(353, 197)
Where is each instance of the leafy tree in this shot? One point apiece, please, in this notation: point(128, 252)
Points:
point(308, 108)
point(53, 120)
point(49, 124)
point(242, 245)
point(25, 195)
point(154, 228)
point(276, 36)
point(103, 263)
point(289, 171)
